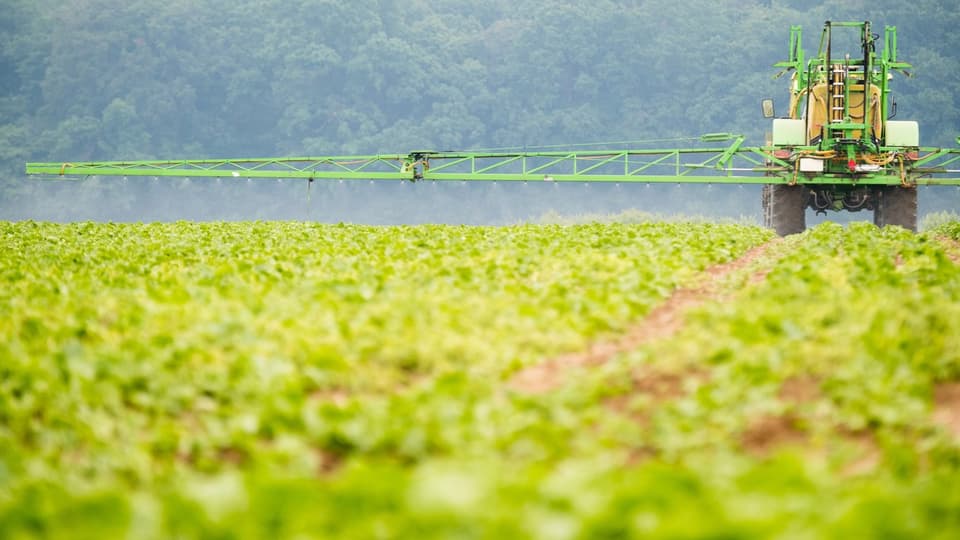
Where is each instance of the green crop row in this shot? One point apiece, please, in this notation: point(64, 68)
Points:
point(823, 401)
point(148, 373)
point(949, 229)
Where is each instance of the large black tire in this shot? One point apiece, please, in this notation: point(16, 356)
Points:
point(896, 205)
point(785, 208)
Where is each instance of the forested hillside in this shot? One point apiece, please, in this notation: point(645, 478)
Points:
point(117, 79)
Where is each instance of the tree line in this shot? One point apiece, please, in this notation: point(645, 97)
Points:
point(138, 79)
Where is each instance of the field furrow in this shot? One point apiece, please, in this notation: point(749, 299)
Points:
point(661, 322)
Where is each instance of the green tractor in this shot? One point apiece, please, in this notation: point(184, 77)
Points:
point(840, 139)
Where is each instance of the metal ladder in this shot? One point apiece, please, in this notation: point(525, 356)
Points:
point(838, 96)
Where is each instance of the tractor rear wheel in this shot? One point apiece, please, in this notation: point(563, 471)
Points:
point(896, 205)
point(784, 208)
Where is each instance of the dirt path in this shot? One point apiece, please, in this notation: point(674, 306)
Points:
point(951, 247)
point(662, 322)
point(946, 395)
point(946, 407)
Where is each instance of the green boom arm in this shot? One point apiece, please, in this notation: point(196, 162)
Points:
point(731, 164)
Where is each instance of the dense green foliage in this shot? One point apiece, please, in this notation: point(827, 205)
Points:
point(950, 229)
point(287, 380)
point(122, 79)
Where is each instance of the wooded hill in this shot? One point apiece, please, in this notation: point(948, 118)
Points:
point(119, 79)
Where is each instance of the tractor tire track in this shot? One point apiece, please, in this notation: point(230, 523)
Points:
point(663, 321)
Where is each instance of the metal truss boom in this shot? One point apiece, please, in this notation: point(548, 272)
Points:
point(730, 164)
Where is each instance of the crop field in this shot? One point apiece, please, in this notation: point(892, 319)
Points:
point(296, 380)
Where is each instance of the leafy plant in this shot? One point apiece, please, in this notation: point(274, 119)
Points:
point(293, 379)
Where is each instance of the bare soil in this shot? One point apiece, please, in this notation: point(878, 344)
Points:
point(951, 247)
point(946, 406)
point(770, 432)
point(868, 456)
point(657, 387)
point(800, 389)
